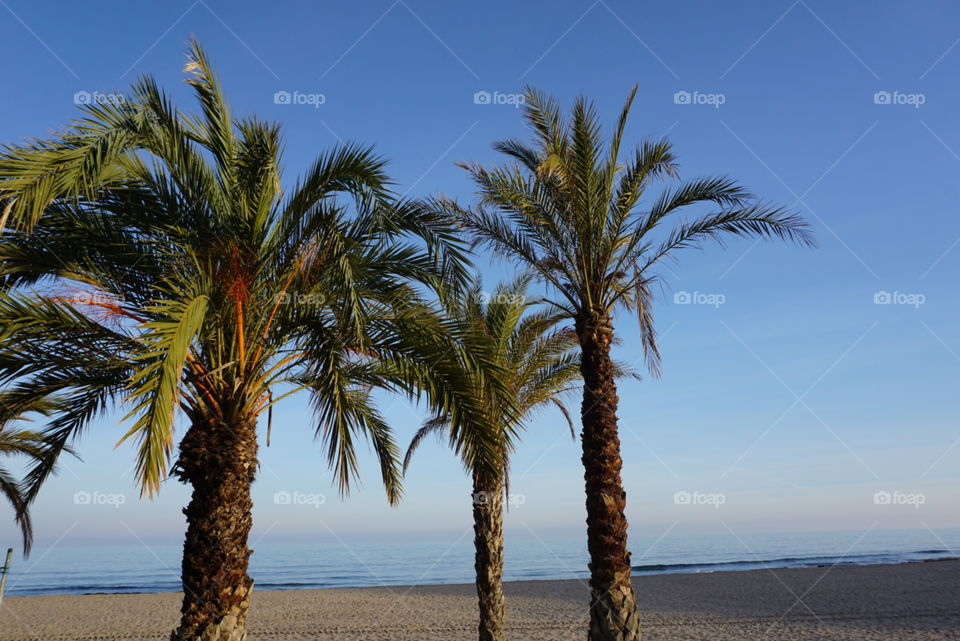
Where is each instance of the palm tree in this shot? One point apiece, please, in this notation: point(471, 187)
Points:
point(568, 208)
point(534, 356)
point(153, 262)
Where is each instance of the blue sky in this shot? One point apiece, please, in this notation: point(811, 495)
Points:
point(787, 389)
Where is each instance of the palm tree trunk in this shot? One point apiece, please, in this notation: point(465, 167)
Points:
point(488, 541)
point(219, 461)
point(613, 608)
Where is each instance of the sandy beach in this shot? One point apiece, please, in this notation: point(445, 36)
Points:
point(908, 601)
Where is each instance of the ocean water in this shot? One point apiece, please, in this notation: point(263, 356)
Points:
point(274, 566)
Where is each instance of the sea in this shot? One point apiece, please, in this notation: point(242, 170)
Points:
point(100, 568)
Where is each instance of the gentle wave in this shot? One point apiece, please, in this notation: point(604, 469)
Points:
point(792, 562)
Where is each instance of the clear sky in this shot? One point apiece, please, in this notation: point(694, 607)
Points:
point(786, 388)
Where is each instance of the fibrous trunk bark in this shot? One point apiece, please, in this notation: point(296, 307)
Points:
point(614, 615)
point(219, 462)
point(488, 541)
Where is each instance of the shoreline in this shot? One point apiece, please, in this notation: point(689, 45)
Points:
point(915, 600)
point(635, 574)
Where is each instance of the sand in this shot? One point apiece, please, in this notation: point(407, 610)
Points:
point(908, 601)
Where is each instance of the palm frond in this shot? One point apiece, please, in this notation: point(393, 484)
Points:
point(155, 387)
point(431, 427)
